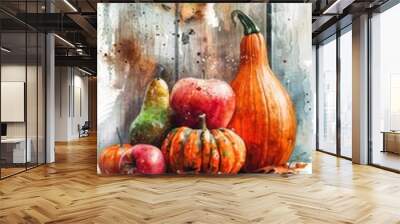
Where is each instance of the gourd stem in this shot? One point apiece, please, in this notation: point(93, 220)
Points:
point(119, 138)
point(249, 26)
point(203, 123)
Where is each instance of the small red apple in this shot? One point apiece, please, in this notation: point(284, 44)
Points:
point(191, 97)
point(143, 159)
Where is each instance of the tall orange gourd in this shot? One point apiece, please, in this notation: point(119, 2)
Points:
point(264, 117)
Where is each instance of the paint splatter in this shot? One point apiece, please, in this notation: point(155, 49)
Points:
point(185, 38)
point(192, 11)
point(128, 62)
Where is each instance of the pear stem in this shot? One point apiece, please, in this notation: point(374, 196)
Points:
point(160, 71)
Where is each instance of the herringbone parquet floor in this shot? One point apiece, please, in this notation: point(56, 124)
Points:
point(69, 191)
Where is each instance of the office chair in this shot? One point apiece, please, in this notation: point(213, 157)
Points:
point(84, 130)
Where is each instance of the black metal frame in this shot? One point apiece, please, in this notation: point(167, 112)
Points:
point(29, 29)
point(316, 96)
point(338, 98)
point(369, 90)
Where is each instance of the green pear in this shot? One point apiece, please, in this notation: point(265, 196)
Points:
point(153, 121)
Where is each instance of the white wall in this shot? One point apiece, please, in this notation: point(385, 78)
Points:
point(10, 73)
point(80, 110)
point(16, 73)
point(61, 103)
point(71, 94)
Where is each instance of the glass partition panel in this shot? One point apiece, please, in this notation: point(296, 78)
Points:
point(32, 96)
point(41, 79)
point(22, 88)
point(15, 152)
point(41, 87)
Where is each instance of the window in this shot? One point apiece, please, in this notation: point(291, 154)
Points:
point(327, 96)
point(346, 93)
point(385, 89)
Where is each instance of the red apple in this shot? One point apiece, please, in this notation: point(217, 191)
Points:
point(191, 97)
point(143, 159)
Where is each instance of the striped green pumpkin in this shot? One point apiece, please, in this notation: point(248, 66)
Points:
point(217, 151)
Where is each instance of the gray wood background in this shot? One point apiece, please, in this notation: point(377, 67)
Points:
point(195, 40)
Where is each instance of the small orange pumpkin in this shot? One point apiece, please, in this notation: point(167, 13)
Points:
point(264, 116)
point(110, 157)
point(201, 150)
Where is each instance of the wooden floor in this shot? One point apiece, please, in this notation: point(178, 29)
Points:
point(69, 191)
point(10, 171)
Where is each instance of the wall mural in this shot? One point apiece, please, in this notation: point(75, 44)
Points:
point(204, 88)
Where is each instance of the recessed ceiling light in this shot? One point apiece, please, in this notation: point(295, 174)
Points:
point(70, 5)
point(333, 6)
point(5, 50)
point(84, 71)
point(64, 40)
point(337, 7)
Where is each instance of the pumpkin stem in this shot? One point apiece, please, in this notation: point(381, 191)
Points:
point(119, 138)
point(203, 123)
point(249, 26)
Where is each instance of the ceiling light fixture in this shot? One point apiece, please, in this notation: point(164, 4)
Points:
point(337, 7)
point(5, 50)
point(84, 71)
point(333, 6)
point(64, 40)
point(79, 51)
point(70, 5)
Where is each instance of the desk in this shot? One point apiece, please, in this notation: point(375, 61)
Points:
point(391, 141)
point(16, 153)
